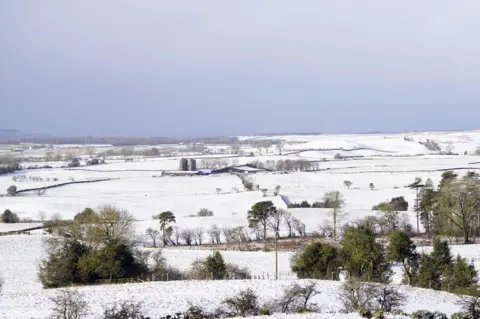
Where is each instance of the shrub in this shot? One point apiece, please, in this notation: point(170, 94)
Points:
point(9, 218)
point(388, 297)
point(204, 212)
point(12, 190)
point(61, 268)
point(69, 304)
point(460, 315)
point(75, 162)
point(471, 307)
point(365, 313)
point(124, 310)
point(244, 304)
point(425, 314)
point(236, 272)
point(40, 192)
point(86, 216)
point(102, 249)
point(296, 299)
point(248, 185)
point(398, 204)
point(355, 296)
point(276, 190)
point(379, 314)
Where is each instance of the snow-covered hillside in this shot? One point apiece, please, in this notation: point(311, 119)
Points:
point(387, 162)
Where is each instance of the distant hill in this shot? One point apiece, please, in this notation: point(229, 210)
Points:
point(9, 134)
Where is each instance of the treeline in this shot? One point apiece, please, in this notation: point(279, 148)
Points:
point(100, 247)
point(286, 165)
point(360, 257)
point(452, 208)
point(9, 164)
point(262, 218)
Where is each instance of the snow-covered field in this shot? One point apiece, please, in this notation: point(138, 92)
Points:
point(388, 162)
point(23, 296)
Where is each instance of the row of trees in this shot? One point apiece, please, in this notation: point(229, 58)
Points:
point(287, 165)
point(263, 216)
point(362, 258)
point(101, 245)
point(9, 164)
point(452, 208)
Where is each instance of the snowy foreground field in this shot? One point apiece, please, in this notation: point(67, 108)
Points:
point(23, 296)
point(390, 162)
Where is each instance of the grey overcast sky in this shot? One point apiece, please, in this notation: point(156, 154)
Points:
point(217, 67)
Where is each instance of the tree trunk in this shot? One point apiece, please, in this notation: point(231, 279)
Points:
point(418, 213)
point(265, 236)
point(334, 224)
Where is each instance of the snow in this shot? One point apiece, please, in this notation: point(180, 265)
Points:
point(17, 226)
point(23, 296)
point(137, 186)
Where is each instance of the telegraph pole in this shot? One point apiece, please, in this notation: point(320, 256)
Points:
point(276, 256)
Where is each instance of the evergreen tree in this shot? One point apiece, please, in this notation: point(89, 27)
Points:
point(365, 258)
point(402, 249)
point(433, 266)
point(260, 215)
point(165, 219)
point(317, 260)
point(459, 276)
point(216, 266)
point(417, 185)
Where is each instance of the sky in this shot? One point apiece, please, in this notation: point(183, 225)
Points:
point(188, 68)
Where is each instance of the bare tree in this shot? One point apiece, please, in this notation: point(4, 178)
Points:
point(462, 200)
point(257, 232)
point(214, 232)
point(188, 236)
point(276, 191)
point(69, 304)
point(229, 234)
point(90, 151)
point(390, 217)
point(288, 218)
point(299, 227)
point(219, 190)
point(347, 184)
point(153, 234)
point(199, 231)
point(40, 192)
point(176, 234)
point(42, 216)
point(276, 221)
point(49, 156)
point(336, 202)
point(296, 298)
